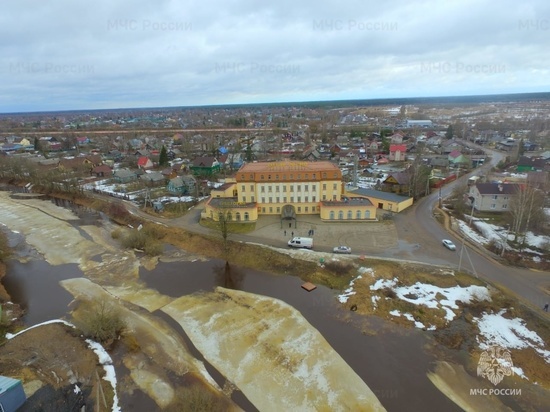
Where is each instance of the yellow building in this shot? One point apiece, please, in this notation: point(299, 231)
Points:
point(288, 189)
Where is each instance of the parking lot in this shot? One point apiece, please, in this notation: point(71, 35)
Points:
point(362, 237)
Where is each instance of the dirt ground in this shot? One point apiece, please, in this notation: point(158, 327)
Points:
point(51, 361)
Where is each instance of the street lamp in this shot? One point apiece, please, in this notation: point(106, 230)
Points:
point(505, 242)
point(473, 200)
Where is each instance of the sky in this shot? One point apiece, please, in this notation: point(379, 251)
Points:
point(68, 55)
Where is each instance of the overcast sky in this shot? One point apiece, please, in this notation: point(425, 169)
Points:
point(68, 54)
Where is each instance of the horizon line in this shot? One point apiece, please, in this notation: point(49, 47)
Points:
point(371, 102)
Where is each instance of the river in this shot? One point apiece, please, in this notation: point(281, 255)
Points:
point(391, 360)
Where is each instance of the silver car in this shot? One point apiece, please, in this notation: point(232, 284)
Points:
point(448, 244)
point(342, 249)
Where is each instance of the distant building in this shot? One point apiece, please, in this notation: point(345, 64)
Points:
point(419, 123)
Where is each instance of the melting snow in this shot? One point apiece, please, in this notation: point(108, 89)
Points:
point(495, 329)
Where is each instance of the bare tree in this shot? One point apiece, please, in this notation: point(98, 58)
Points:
point(526, 208)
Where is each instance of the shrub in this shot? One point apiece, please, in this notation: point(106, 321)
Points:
point(104, 324)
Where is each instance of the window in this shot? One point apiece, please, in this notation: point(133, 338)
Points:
point(358, 214)
point(299, 208)
point(263, 209)
point(292, 188)
point(251, 176)
point(268, 177)
point(298, 188)
point(246, 216)
point(276, 177)
point(332, 215)
point(263, 199)
point(238, 216)
point(270, 199)
point(314, 176)
point(263, 189)
point(269, 189)
point(270, 210)
point(324, 197)
point(291, 199)
point(340, 215)
point(350, 214)
point(307, 209)
point(333, 197)
point(244, 198)
point(252, 199)
point(284, 188)
point(324, 175)
point(313, 188)
point(243, 188)
point(324, 186)
point(278, 210)
point(505, 206)
point(493, 206)
point(306, 188)
point(313, 199)
point(495, 197)
point(251, 188)
point(262, 177)
point(277, 189)
point(284, 199)
point(278, 200)
point(306, 199)
point(367, 214)
point(299, 199)
point(299, 176)
point(335, 186)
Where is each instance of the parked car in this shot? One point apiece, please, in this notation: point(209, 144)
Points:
point(342, 249)
point(301, 242)
point(448, 244)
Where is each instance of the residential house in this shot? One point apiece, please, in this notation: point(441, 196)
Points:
point(102, 171)
point(82, 140)
point(124, 175)
point(458, 159)
point(311, 153)
point(153, 178)
point(530, 164)
point(205, 166)
point(493, 197)
point(397, 182)
point(144, 163)
point(398, 152)
point(396, 139)
point(182, 185)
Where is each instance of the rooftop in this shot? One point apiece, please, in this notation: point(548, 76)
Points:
point(288, 166)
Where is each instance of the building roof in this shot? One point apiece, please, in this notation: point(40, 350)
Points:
point(289, 166)
point(204, 161)
point(348, 201)
point(6, 383)
point(497, 188)
point(398, 147)
point(378, 194)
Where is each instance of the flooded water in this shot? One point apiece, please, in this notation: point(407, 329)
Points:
point(392, 361)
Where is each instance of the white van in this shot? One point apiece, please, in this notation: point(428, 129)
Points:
point(301, 242)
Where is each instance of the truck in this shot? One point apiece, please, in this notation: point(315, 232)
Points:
point(301, 242)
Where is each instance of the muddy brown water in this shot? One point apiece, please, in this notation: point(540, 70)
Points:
point(392, 361)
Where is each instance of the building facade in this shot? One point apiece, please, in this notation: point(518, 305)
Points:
point(289, 189)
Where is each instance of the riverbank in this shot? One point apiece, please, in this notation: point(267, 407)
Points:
point(100, 258)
